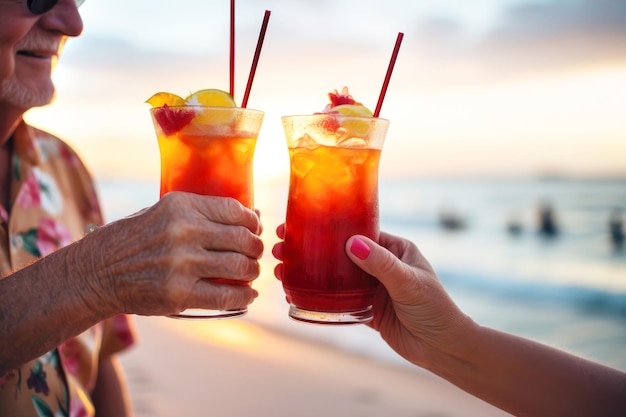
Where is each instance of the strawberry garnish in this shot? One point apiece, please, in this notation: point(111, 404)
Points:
point(337, 99)
point(173, 120)
point(341, 104)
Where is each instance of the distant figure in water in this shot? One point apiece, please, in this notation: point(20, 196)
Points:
point(449, 219)
point(547, 221)
point(616, 229)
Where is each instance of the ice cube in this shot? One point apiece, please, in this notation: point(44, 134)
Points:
point(306, 141)
point(352, 142)
point(301, 163)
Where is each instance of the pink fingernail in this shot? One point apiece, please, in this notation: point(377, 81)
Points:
point(359, 249)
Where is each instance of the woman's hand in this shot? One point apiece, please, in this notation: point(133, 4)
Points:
point(412, 311)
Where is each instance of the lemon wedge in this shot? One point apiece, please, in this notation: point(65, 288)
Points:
point(354, 127)
point(210, 97)
point(221, 104)
point(353, 110)
point(162, 98)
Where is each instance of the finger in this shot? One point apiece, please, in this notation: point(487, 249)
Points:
point(210, 295)
point(230, 265)
point(280, 231)
point(226, 211)
point(278, 271)
point(219, 237)
point(277, 250)
point(258, 213)
point(398, 278)
point(404, 250)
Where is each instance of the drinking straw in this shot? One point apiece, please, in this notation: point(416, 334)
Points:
point(392, 62)
point(232, 48)
point(255, 60)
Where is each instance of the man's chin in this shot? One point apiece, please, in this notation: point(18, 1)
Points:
point(22, 96)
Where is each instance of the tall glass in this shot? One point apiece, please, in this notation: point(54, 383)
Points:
point(211, 154)
point(333, 194)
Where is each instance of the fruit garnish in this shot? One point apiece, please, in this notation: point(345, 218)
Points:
point(210, 97)
point(342, 103)
point(161, 99)
point(353, 110)
point(173, 119)
point(337, 99)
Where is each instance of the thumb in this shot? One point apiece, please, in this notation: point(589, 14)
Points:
point(379, 262)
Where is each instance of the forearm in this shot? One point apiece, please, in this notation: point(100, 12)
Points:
point(529, 379)
point(110, 396)
point(46, 303)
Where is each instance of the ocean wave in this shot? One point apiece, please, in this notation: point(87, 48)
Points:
point(537, 293)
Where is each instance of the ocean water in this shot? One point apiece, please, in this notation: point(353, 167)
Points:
point(566, 290)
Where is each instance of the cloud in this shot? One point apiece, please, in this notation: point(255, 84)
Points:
point(440, 48)
point(558, 36)
point(528, 39)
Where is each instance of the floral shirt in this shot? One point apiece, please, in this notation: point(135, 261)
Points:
point(53, 203)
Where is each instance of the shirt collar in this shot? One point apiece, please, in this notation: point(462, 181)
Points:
point(24, 144)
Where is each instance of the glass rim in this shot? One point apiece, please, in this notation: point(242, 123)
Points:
point(200, 106)
point(338, 115)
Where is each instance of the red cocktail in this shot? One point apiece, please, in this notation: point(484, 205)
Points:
point(333, 194)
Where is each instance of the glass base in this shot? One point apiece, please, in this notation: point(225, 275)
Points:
point(331, 318)
point(200, 314)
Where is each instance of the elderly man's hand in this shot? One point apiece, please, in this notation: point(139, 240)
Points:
point(156, 262)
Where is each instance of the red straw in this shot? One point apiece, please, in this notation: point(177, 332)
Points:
point(232, 48)
point(383, 91)
point(255, 60)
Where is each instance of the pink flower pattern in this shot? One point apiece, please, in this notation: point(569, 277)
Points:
point(4, 215)
point(70, 355)
point(30, 195)
point(42, 220)
point(51, 236)
point(122, 331)
point(77, 408)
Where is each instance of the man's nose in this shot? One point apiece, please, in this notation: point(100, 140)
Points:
point(64, 18)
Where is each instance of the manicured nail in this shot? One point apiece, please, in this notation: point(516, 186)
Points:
point(359, 249)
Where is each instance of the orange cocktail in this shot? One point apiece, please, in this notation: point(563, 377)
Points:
point(208, 150)
point(333, 194)
point(209, 160)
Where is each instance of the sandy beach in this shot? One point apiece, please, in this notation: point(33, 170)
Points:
point(238, 368)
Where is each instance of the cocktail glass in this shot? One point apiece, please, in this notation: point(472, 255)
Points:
point(333, 194)
point(211, 154)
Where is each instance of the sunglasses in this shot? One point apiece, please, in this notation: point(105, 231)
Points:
point(42, 6)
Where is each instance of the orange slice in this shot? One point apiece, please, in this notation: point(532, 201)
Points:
point(162, 98)
point(210, 97)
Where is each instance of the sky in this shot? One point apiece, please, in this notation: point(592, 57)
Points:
point(480, 88)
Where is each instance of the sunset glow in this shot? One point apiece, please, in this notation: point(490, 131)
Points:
point(489, 92)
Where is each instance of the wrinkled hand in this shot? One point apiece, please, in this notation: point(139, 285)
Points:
point(155, 262)
point(412, 310)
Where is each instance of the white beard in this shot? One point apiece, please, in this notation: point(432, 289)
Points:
point(13, 92)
